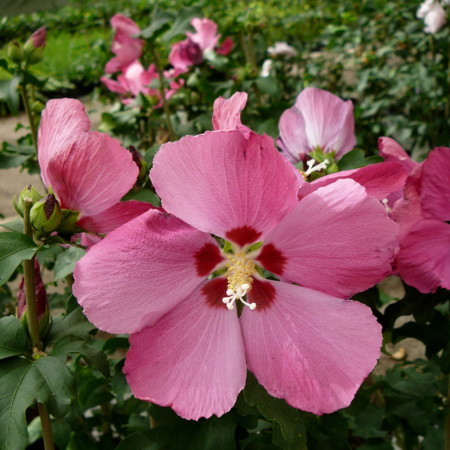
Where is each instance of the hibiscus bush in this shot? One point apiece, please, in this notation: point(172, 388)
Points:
point(221, 265)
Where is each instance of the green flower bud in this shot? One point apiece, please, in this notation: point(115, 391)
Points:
point(15, 52)
point(69, 222)
point(46, 214)
point(30, 193)
point(37, 107)
point(33, 50)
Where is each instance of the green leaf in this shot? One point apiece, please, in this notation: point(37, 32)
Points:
point(14, 7)
point(160, 23)
point(10, 94)
point(23, 383)
point(182, 23)
point(356, 159)
point(14, 248)
point(73, 324)
point(72, 344)
point(13, 338)
point(65, 262)
point(15, 225)
point(276, 410)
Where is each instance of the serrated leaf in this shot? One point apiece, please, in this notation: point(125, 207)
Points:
point(13, 338)
point(66, 261)
point(14, 248)
point(72, 344)
point(276, 410)
point(72, 324)
point(23, 383)
point(160, 23)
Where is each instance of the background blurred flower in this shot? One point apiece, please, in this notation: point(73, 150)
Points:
point(433, 15)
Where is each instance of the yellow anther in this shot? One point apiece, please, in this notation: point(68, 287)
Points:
point(239, 272)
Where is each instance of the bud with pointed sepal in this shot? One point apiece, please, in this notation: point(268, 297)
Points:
point(42, 308)
point(28, 193)
point(15, 52)
point(46, 215)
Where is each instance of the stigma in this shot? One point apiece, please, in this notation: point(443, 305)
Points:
point(314, 168)
point(239, 277)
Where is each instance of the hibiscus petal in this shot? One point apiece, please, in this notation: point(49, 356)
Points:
point(227, 113)
point(62, 122)
point(337, 240)
point(224, 184)
point(436, 185)
point(311, 349)
point(379, 180)
point(192, 359)
point(391, 151)
point(141, 270)
point(329, 122)
point(113, 217)
point(92, 174)
point(206, 33)
point(423, 260)
point(293, 139)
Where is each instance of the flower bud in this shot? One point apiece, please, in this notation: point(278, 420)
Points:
point(28, 193)
point(15, 52)
point(46, 215)
point(33, 49)
point(42, 309)
point(140, 162)
point(69, 222)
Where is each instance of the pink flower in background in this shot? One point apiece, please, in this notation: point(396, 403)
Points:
point(305, 342)
point(126, 48)
point(433, 15)
point(423, 258)
point(88, 171)
point(318, 119)
point(191, 51)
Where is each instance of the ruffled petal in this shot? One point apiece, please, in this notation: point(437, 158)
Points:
point(142, 270)
point(309, 348)
point(62, 122)
point(423, 260)
point(391, 151)
point(113, 217)
point(329, 122)
point(224, 184)
point(192, 359)
point(337, 240)
point(92, 174)
point(206, 33)
point(227, 113)
point(379, 180)
point(435, 196)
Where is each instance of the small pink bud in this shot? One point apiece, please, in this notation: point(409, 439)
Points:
point(39, 37)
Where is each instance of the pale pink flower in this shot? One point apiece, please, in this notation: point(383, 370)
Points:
point(305, 342)
point(423, 258)
point(433, 15)
point(126, 47)
point(206, 33)
point(88, 171)
point(318, 119)
point(283, 49)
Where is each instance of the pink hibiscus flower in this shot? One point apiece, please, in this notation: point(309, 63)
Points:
point(88, 171)
point(166, 278)
point(126, 47)
point(423, 258)
point(318, 119)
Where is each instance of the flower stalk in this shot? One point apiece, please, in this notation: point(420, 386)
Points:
point(30, 115)
point(33, 326)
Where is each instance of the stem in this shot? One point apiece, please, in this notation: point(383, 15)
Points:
point(163, 94)
point(447, 419)
point(30, 115)
point(29, 282)
point(47, 434)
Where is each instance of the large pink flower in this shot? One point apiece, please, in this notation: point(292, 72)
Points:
point(126, 47)
point(88, 171)
point(318, 119)
point(423, 258)
point(166, 278)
